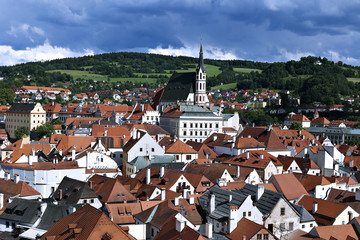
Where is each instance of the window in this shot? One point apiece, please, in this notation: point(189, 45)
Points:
point(291, 226)
point(217, 125)
point(7, 224)
point(152, 232)
point(282, 227)
point(191, 125)
point(177, 157)
point(188, 157)
point(270, 227)
point(311, 225)
point(184, 125)
point(153, 149)
point(303, 226)
point(258, 237)
point(249, 214)
point(282, 211)
point(266, 237)
point(244, 214)
point(13, 225)
point(141, 149)
point(184, 133)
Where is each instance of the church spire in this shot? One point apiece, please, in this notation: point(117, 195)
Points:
point(201, 59)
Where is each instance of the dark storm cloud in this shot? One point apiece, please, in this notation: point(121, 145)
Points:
point(268, 30)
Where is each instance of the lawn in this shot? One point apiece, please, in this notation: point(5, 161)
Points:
point(246, 70)
point(225, 86)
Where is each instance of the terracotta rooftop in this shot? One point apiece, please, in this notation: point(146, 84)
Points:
point(327, 211)
point(288, 185)
point(86, 223)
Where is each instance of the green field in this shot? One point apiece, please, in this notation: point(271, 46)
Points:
point(354, 79)
point(91, 76)
point(225, 86)
point(246, 70)
point(211, 70)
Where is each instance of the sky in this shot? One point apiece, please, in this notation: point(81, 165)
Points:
point(256, 30)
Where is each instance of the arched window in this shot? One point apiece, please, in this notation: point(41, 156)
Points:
point(200, 75)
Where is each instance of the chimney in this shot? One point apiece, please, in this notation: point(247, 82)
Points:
point(163, 194)
point(315, 207)
point(180, 224)
point(91, 185)
point(232, 218)
point(237, 171)
point(261, 156)
point(7, 176)
point(61, 152)
point(60, 194)
point(214, 138)
point(1, 200)
point(351, 163)
point(234, 139)
point(176, 201)
point(162, 171)
point(317, 137)
point(138, 135)
point(209, 230)
point(105, 133)
point(148, 172)
point(247, 155)
point(230, 198)
point(212, 203)
point(73, 154)
point(244, 237)
point(191, 200)
point(16, 178)
point(312, 142)
point(259, 191)
point(350, 215)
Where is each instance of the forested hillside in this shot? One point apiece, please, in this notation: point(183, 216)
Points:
point(313, 79)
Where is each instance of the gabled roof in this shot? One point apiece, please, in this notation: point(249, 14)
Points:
point(222, 204)
point(288, 185)
point(335, 232)
point(326, 212)
point(169, 232)
point(21, 108)
point(179, 147)
point(89, 222)
point(202, 149)
point(21, 189)
point(110, 190)
point(267, 201)
point(157, 214)
point(311, 181)
point(133, 140)
point(179, 87)
point(79, 142)
point(320, 120)
point(72, 191)
point(258, 159)
point(213, 172)
point(246, 227)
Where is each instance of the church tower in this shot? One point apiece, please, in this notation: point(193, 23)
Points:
point(200, 83)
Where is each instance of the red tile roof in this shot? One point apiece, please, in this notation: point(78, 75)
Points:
point(86, 223)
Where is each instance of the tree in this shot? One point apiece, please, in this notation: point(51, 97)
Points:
point(44, 130)
point(296, 126)
point(21, 132)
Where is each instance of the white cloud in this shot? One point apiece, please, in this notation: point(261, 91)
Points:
point(9, 56)
point(335, 56)
point(193, 51)
point(287, 56)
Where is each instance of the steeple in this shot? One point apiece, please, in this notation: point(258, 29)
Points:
point(201, 60)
